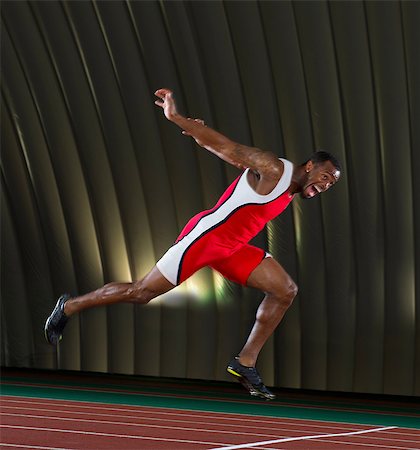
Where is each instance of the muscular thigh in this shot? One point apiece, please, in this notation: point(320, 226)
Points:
point(269, 276)
point(239, 265)
point(154, 283)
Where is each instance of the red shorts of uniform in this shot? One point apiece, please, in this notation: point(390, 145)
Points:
point(179, 263)
point(239, 266)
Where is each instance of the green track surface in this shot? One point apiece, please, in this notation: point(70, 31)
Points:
point(214, 397)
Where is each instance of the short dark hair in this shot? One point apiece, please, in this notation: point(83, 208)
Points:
point(321, 156)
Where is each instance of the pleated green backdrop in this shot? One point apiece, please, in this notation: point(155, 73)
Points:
point(96, 184)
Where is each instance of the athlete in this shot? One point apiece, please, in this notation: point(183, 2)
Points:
point(219, 238)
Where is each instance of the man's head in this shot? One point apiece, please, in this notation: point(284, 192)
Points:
point(321, 172)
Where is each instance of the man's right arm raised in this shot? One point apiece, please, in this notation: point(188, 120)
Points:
point(265, 163)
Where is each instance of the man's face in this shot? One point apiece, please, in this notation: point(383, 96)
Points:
point(320, 177)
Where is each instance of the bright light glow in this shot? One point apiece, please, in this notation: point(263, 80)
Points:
point(198, 287)
point(270, 235)
point(219, 284)
point(222, 288)
point(297, 214)
point(175, 298)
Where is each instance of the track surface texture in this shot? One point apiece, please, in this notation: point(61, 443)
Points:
point(67, 410)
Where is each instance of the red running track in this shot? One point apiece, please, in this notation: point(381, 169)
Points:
point(58, 424)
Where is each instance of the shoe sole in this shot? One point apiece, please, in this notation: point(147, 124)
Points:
point(247, 385)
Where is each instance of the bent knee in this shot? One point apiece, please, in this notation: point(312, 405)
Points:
point(286, 293)
point(293, 289)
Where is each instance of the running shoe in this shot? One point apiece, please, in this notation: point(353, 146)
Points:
point(250, 379)
point(55, 324)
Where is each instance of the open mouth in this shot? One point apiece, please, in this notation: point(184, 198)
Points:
point(312, 190)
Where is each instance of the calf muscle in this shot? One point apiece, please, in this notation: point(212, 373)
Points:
point(280, 291)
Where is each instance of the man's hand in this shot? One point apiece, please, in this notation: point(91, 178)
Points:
point(169, 108)
point(167, 103)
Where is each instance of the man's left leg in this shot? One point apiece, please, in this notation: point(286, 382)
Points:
point(280, 290)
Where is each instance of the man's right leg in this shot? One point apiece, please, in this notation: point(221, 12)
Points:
point(150, 287)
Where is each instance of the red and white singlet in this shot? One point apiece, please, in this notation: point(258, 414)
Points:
point(219, 237)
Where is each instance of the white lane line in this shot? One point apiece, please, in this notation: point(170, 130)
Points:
point(363, 444)
point(279, 428)
point(184, 412)
point(408, 432)
point(136, 424)
point(172, 396)
point(3, 444)
point(301, 438)
point(123, 436)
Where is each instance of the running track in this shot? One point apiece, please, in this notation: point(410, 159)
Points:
point(41, 422)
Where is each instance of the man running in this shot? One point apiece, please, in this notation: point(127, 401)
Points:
point(219, 238)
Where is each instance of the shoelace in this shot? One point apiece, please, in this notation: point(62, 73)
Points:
point(253, 376)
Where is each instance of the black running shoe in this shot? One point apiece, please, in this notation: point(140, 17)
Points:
point(250, 379)
point(55, 324)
